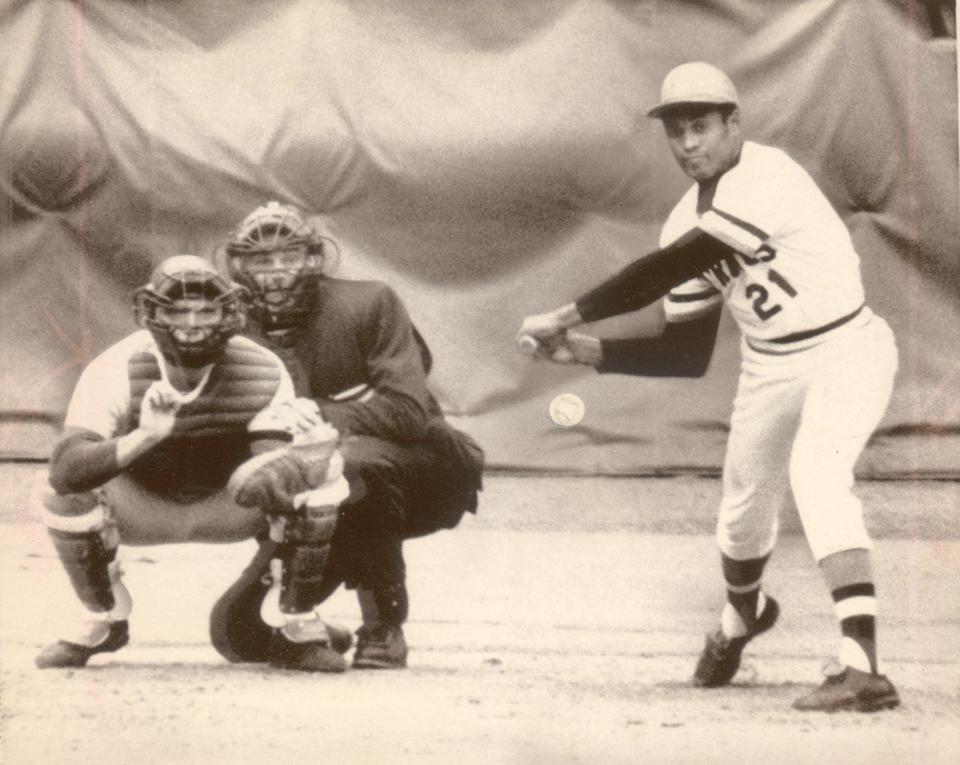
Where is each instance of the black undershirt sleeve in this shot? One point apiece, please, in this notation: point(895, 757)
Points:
point(652, 276)
point(683, 349)
point(82, 460)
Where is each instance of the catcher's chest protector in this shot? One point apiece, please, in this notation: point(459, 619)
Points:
point(210, 437)
point(240, 385)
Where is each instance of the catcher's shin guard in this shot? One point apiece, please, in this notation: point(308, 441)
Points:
point(302, 578)
point(300, 561)
point(245, 623)
point(86, 561)
point(299, 489)
point(273, 601)
point(86, 544)
point(303, 641)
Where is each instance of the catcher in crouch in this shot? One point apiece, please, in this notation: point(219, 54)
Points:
point(185, 432)
point(352, 349)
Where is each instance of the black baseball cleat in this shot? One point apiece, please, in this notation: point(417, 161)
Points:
point(720, 659)
point(314, 655)
point(380, 647)
point(64, 654)
point(340, 638)
point(850, 690)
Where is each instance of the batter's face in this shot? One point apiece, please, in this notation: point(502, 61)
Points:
point(703, 141)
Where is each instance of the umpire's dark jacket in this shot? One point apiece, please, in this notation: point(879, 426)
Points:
point(359, 334)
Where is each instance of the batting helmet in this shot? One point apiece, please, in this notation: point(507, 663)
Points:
point(694, 83)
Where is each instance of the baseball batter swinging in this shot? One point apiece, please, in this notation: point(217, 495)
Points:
point(757, 234)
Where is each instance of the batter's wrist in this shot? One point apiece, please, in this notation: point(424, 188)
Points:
point(593, 355)
point(568, 316)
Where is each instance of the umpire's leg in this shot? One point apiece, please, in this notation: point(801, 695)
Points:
point(370, 538)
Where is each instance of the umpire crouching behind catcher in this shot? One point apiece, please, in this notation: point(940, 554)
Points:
point(756, 233)
point(351, 349)
point(186, 432)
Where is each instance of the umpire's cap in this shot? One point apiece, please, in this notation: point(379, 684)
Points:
point(694, 83)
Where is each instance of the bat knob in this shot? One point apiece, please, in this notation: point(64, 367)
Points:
point(528, 345)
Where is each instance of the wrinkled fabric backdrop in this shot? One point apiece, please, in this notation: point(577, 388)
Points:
point(488, 160)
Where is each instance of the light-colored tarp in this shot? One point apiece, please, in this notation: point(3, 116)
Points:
point(488, 160)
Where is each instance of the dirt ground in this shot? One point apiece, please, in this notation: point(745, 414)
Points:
point(559, 626)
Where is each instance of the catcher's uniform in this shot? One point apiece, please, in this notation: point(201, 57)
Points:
point(175, 492)
point(817, 365)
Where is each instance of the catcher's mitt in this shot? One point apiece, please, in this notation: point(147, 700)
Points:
point(273, 480)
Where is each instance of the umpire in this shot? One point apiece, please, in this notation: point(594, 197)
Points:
point(351, 347)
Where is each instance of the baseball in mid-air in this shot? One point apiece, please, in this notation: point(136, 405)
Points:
point(567, 410)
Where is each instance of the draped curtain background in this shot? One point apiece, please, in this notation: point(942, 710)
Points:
point(488, 160)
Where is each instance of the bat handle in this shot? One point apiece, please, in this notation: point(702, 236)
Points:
point(528, 345)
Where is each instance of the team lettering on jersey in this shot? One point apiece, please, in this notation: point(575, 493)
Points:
point(791, 265)
point(729, 268)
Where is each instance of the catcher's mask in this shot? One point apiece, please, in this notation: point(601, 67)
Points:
point(190, 309)
point(278, 256)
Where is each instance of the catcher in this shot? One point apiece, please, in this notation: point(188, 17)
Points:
point(352, 349)
point(185, 432)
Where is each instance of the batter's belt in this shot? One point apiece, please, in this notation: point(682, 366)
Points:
point(798, 341)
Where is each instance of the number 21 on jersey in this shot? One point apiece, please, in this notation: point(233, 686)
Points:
point(759, 294)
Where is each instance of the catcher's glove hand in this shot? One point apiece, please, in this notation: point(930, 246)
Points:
point(299, 417)
point(273, 480)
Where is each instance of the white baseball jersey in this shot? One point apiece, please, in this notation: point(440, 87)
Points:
point(101, 399)
point(808, 399)
point(793, 270)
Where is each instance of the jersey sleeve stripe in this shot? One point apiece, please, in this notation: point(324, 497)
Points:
point(687, 307)
point(731, 234)
point(691, 297)
point(748, 227)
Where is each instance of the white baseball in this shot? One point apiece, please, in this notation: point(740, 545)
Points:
point(567, 410)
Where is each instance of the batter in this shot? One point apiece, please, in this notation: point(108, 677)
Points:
point(756, 234)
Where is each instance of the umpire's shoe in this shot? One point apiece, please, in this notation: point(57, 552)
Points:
point(64, 654)
point(853, 690)
point(720, 659)
point(380, 647)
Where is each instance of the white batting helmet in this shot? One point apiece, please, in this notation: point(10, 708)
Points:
point(694, 83)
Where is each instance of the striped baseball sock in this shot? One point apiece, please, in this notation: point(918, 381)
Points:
point(745, 599)
point(856, 609)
